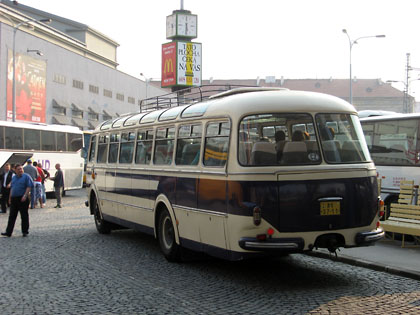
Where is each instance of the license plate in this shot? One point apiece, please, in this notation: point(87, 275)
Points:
point(330, 208)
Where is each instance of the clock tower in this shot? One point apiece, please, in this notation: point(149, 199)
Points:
point(181, 58)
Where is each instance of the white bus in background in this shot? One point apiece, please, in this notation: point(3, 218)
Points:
point(393, 142)
point(47, 145)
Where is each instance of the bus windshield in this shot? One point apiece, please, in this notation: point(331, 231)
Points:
point(291, 139)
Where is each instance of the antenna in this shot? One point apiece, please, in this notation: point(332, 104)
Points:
point(182, 4)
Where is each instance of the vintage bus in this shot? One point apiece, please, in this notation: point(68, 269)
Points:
point(394, 144)
point(47, 145)
point(245, 172)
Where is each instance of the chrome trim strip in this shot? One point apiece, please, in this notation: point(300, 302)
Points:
point(271, 245)
point(127, 204)
point(330, 199)
point(203, 211)
point(374, 237)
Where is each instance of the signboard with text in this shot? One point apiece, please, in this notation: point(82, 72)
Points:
point(181, 64)
point(30, 86)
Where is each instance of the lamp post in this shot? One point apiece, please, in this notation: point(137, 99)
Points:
point(15, 28)
point(351, 43)
point(147, 82)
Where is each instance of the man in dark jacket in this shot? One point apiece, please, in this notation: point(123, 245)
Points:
point(5, 180)
point(58, 184)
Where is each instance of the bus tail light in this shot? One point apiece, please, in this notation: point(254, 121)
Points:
point(256, 214)
point(381, 208)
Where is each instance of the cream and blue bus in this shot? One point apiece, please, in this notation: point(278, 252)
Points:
point(245, 172)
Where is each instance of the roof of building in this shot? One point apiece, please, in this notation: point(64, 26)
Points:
point(337, 87)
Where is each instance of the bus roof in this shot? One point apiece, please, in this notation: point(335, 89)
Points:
point(244, 101)
point(396, 116)
point(60, 128)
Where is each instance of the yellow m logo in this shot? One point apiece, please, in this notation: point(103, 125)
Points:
point(168, 66)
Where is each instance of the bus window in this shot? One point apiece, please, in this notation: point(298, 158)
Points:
point(92, 149)
point(188, 145)
point(113, 148)
point(144, 146)
point(31, 139)
point(47, 140)
point(14, 138)
point(102, 148)
point(127, 147)
point(61, 141)
point(216, 144)
point(75, 142)
point(164, 145)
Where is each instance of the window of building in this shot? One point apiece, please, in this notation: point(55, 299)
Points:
point(131, 100)
point(76, 113)
point(78, 84)
point(60, 110)
point(106, 117)
point(59, 78)
point(93, 116)
point(93, 89)
point(120, 97)
point(107, 93)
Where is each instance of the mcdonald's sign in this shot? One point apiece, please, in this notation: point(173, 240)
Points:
point(168, 64)
point(181, 64)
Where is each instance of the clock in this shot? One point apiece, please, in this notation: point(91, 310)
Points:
point(181, 24)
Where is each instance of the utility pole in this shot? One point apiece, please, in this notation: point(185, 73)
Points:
point(406, 106)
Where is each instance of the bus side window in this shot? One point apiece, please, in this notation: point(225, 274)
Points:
point(127, 147)
point(216, 144)
point(144, 147)
point(14, 138)
point(92, 150)
point(113, 148)
point(32, 139)
point(102, 148)
point(1, 137)
point(188, 145)
point(164, 146)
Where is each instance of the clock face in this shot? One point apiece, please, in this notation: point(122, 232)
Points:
point(170, 26)
point(187, 25)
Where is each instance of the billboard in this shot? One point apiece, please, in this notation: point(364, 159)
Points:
point(181, 64)
point(30, 85)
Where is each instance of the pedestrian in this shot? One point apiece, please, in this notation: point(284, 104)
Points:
point(44, 194)
point(5, 180)
point(58, 184)
point(33, 173)
point(19, 201)
point(38, 184)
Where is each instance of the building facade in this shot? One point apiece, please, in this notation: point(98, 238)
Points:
point(65, 71)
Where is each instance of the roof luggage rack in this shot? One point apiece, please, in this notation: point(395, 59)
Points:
point(196, 94)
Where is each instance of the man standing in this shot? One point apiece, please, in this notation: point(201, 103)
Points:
point(58, 184)
point(19, 202)
point(5, 180)
point(33, 173)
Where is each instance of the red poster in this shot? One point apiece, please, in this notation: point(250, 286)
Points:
point(168, 64)
point(30, 85)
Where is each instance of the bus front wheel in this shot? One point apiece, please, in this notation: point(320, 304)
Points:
point(102, 226)
point(166, 236)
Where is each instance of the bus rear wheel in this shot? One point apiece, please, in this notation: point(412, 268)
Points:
point(166, 236)
point(102, 226)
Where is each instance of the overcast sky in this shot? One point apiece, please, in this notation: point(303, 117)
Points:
point(248, 39)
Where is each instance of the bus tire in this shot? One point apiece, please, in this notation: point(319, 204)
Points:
point(102, 226)
point(166, 236)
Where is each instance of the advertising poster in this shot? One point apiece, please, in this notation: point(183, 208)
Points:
point(189, 63)
point(30, 83)
point(168, 64)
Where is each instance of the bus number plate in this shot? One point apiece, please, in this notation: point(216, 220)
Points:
point(330, 208)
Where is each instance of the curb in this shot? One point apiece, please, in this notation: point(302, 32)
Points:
point(415, 275)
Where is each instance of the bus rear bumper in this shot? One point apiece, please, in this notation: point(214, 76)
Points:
point(272, 244)
point(368, 238)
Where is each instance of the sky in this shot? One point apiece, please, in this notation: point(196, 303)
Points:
point(246, 39)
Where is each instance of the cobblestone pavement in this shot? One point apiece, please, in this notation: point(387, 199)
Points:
point(65, 267)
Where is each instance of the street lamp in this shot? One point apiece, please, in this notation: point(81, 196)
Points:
point(146, 80)
point(15, 28)
point(351, 43)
